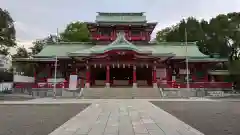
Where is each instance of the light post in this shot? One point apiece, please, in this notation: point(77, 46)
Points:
point(55, 71)
point(186, 52)
point(55, 77)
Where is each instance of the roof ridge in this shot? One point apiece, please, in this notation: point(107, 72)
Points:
point(174, 43)
point(121, 38)
point(71, 43)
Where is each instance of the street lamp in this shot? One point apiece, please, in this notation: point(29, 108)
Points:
point(55, 70)
point(55, 77)
point(186, 53)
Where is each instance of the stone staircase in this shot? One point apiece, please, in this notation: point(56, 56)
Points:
point(121, 93)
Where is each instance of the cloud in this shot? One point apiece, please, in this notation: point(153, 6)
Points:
point(27, 43)
point(21, 43)
point(28, 32)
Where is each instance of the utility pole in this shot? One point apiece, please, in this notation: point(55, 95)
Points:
point(55, 71)
point(186, 53)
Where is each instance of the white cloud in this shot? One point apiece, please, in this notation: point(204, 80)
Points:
point(27, 43)
point(29, 32)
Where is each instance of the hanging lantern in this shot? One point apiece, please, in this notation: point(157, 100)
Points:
point(100, 65)
point(146, 65)
point(128, 65)
point(118, 66)
point(123, 65)
point(95, 65)
point(113, 65)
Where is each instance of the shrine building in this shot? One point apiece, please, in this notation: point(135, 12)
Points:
point(121, 54)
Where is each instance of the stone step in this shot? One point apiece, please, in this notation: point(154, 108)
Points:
point(121, 93)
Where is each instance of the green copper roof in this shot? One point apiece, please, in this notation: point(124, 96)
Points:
point(121, 13)
point(121, 43)
point(121, 17)
point(61, 50)
point(207, 59)
point(77, 49)
point(178, 49)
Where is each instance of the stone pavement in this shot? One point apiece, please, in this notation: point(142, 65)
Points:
point(123, 117)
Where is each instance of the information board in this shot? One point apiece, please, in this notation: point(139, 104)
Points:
point(73, 82)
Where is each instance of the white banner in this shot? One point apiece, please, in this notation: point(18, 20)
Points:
point(19, 78)
point(5, 86)
point(73, 82)
point(184, 71)
point(58, 80)
point(161, 73)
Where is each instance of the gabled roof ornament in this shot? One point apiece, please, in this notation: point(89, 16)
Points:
point(121, 39)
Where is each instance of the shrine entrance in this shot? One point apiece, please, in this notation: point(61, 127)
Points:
point(121, 76)
point(98, 76)
point(144, 76)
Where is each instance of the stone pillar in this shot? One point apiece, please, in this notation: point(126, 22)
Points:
point(87, 85)
point(107, 76)
point(134, 77)
point(35, 73)
point(154, 73)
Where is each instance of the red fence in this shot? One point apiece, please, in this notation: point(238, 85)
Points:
point(41, 85)
point(196, 85)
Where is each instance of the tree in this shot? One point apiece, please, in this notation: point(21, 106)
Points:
point(75, 32)
point(25, 68)
point(37, 47)
point(7, 32)
point(21, 53)
point(38, 44)
point(210, 37)
point(162, 34)
point(221, 34)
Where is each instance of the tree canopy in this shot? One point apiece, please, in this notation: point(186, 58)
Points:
point(25, 69)
point(220, 34)
point(38, 44)
point(7, 32)
point(217, 35)
point(75, 32)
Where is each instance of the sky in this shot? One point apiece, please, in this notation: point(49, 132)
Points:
point(36, 19)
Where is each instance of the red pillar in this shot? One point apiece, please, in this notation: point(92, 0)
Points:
point(134, 76)
point(35, 73)
point(87, 77)
point(154, 75)
point(107, 76)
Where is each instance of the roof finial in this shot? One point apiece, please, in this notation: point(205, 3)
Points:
point(121, 34)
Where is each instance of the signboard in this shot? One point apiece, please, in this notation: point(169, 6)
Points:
point(183, 71)
point(5, 86)
point(161, 73)
point(73, 82)
point(215, 93)
point(58, 80)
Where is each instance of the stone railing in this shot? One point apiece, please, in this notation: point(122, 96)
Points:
point(171, 84)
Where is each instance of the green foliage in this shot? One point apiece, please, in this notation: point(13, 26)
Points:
point(7, 32)
point(26, 68)
point(21, 53)
point(39, 44)
point(76, 32)
point(161, 35)
point(213, 36)
point(220, 35)
point(37, 47)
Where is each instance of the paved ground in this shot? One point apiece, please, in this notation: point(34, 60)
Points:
point(102, 117)
point(124, 117)
point(14, 97)
point(211, 118)
point(30, 119)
